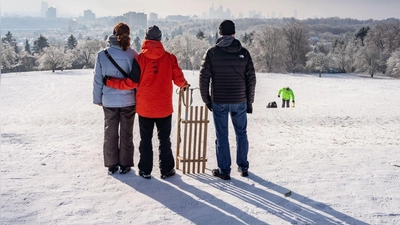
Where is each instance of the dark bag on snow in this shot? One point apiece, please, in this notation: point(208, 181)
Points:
point(272, 105)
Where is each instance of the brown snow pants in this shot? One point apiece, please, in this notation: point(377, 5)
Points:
point(118, 138)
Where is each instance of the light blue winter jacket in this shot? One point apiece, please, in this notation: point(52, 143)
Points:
point(110, 97)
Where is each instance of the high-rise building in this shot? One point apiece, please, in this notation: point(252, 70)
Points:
point(43, 9)
point(177, 18)
point(218, 13)
point(51, 13)
point(153, 16)
point(89, 15)
point(136, 21)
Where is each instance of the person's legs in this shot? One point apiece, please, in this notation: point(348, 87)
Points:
point(146, 126)
point(166, 158)
point(220, 114)
point(111, 138)
point(239, 121)
point(285, 103)
point(127, 116)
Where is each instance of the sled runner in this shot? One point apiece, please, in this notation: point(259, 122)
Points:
point(191, 142)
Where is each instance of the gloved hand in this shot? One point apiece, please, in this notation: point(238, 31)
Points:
point(279, 96)
point(209, 106)
point(105, 78)
point(249, 108)
point(185, 87)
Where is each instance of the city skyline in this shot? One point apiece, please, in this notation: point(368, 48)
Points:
point(300, 9)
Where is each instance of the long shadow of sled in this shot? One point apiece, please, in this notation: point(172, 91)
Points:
point(294, 209)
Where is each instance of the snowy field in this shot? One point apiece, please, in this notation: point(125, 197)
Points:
point(338, 152)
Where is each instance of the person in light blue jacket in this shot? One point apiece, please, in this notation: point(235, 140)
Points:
point(119, 106)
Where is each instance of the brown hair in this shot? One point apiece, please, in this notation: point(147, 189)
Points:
point(122, 31)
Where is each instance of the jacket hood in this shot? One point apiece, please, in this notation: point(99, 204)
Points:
point(112, 40)
point(229, 44)
point(152, 49)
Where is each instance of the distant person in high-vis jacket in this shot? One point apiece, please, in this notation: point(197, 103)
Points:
point(286, 93)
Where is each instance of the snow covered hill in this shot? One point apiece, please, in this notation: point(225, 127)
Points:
point(337, 151)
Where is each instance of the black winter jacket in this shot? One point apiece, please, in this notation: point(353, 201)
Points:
point(228, 68)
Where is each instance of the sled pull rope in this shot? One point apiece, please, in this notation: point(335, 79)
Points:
point(191, 95)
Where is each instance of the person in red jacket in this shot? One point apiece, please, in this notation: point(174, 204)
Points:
point(153, 73)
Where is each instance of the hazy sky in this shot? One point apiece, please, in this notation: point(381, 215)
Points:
point(358, 9)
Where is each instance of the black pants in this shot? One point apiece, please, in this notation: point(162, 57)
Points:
point(283, 103)
point(166, 159)
point(118, 144)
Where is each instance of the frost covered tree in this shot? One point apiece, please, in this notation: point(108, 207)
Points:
point(84, 55)
point(351, 51)
point(71, 42)
point(368, 60)
point(27, 47)
point(8, 38)
point(200, 35)
point(9, 58)
point(39, 44)
point(11, 41)
point(298, 45)
point(383, 39)
point(137, 44)
point(247, 39)
point(54, 58)
point(393, 65)
point(386, 35)
point(338, 55)
point(361, 34)
point(317, 61)
point(268, 50)
point(27, 61)
point(188, 49)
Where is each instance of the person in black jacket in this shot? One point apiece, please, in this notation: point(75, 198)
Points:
point(227, 85)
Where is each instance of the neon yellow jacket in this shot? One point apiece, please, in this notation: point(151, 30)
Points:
point(286, 94)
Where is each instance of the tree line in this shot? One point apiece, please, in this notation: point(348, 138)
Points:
point(291, 47)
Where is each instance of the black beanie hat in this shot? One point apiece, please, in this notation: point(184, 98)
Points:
point(153, 33)
point(227, 27)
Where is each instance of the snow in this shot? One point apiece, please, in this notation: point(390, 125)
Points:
point(337, 151)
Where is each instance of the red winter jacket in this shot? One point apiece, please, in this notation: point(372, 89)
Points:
point(154, 71)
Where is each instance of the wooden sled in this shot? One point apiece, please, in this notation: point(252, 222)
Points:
point(191, 142)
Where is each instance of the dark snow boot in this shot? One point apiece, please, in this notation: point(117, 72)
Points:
point(112, 169)
point(144, 175)
point(243, 173)
point(217, 173)
point(125, 169)
point(169, 174)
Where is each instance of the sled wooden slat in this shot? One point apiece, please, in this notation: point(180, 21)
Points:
point(205, 109)
point(191, 160)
